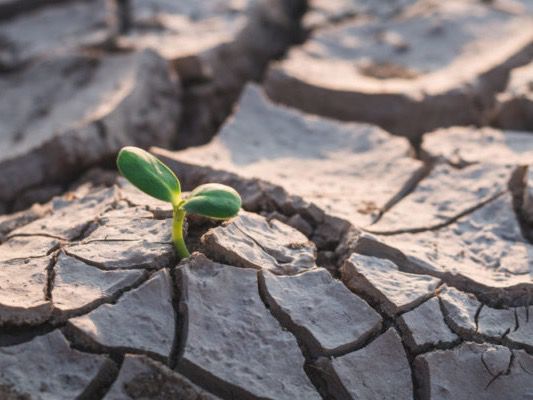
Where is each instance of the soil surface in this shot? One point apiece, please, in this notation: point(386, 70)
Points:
point(383, 151)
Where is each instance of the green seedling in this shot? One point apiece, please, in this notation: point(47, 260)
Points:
point(154, 178)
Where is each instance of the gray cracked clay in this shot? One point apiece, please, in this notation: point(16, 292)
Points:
point(251, 241)
point(380, 370)
point(381, 280)
point(234, 321)
point(78, 287)
point(266, 140)
point(142, 320)
point(48, 368)
point(424, 327)
point(142, 377)
point(475, 371)
point(127, 238)
point(320, 310)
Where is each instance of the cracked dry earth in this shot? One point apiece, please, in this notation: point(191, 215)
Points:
point(360, 268)
point(70, 100)
point(424, 294)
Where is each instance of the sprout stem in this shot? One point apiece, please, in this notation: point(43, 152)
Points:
point(177, 232)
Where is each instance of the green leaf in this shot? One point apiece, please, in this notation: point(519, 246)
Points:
point(213, 200)
point(149, 174)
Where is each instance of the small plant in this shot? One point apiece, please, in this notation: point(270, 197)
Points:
point(154, 178)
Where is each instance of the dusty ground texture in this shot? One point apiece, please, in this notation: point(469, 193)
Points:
point(445, 262)
point(77, 86)
point(363, 265)
point(444, 61)
point(290, 299)
point(80, 79)
point(94, 300)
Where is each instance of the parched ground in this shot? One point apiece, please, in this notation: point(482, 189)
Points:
point(385, 163)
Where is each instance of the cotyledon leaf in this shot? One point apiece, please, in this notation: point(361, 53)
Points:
point(213, 200)
point(149, 174)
